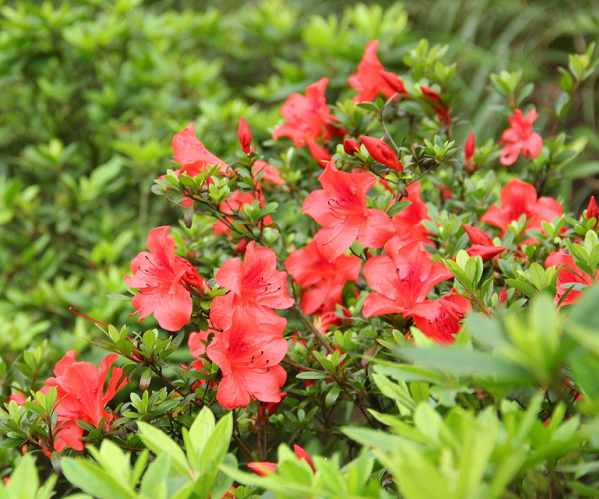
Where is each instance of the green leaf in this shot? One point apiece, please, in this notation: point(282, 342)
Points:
point(526, 288)
point(154, 482)
point(459, 361)
point(91, 478)
point(312, 375)
point(396, 391)
point(332, 396)
point(398, 207)
point(586, 374)
point(217, 445)
point(24, 481)
point(583, 170)
point(405, 372)
point(159, 443)
point(199, 434)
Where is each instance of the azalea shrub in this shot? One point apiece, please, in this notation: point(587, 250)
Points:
point(363, 304)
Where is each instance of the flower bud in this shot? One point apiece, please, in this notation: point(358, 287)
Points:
point(351, 146)
point(244, 135)
point(593, 211)
point(380, 151)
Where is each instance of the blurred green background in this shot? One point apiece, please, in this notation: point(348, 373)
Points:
point(91, 93)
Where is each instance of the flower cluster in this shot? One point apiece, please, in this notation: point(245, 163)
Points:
point(316, 270)
point(81, 397)
point(402, 277)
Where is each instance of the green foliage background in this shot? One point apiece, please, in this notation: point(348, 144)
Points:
point(91, 93)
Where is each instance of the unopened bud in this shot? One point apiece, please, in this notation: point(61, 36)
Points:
point(244, 135)
point(380, 151)
point(351, 146)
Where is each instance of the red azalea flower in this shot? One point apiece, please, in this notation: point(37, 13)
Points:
point(402, 280)
point(481, 244)
point(307, 116)
point(247, 354)
point(17, 397)
point(340, 207)
point(568, 273)
point(81, 396)
point(408, 222)
point(520, 198)
point(264, 468)
point(371, 78)
point(237, 200)
point(271, 174)
point(440, 320)
point(163, 279)
point(267, 409)
point(254, 284)
point(196, 343)
point(520, 138)
point(330, 319)
point(192, 155)
point(380, 151)
point(441, 109)
point(321, 280)
point(319, 153)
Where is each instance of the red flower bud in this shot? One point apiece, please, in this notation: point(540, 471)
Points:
point(469, 147)
point(380, 151)
point(244, 135)
point(351, 146)
point(477, 236)
point(441, 109)
point(593, 210)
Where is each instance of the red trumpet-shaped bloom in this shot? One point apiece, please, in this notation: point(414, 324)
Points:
point(321, 280)
point(520, 138)
point(163, 279)
point(263, 468)
point(441, 109)
point(247, 354)
point(402, 280)
point(271, 174)
point(569, 273)
point(255, 286)
point(408, 222)
point(440, 320)
point(236, 202)
point(81, 396)
point(307, 116)
point(340, 207)
point(371, 79)
point(319, 153)
point(520, 198)
point(482, 244)
point(192, 155)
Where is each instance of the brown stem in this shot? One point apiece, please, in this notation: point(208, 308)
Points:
point(306, 320)
point(302, 368)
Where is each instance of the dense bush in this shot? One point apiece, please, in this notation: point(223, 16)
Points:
point(419, 356)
